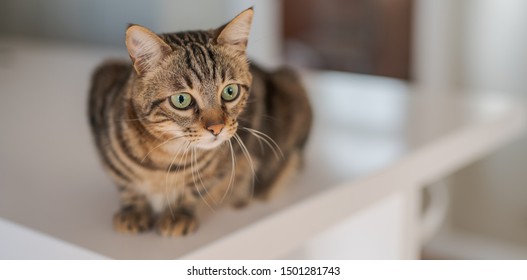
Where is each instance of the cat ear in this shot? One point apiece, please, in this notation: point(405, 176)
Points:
point(145, 48)
point(236, 33)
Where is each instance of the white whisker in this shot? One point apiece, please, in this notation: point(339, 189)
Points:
point(268, 140)
point(200, 178)
point(132, 120)
point(233, 172)
point(165, 142)
point(194, 179)
point(249, 159)
point(167, 194)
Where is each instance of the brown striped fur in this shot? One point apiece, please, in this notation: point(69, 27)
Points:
point(167, 163)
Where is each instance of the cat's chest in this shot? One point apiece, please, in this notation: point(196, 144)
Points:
point(161, 187)
point(205, 173)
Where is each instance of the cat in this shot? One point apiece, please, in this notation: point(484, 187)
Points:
point(191, 124)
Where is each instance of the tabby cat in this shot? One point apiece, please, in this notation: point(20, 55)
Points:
point(191, 124)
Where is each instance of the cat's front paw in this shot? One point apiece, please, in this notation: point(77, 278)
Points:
point(132, 220)
point(176, 223)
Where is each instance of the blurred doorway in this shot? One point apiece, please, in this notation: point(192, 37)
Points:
point(362, 36)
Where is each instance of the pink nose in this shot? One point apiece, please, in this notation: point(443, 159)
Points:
point(216, 128)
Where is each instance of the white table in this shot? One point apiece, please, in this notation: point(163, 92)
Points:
point(375, 140)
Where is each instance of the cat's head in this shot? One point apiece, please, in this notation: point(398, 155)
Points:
point(191, 86)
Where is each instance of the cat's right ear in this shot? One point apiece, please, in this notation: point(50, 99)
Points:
point(146, 49)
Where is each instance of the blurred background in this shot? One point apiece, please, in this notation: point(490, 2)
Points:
point(475, 44)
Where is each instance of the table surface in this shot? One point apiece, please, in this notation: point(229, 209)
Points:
point(52, 183)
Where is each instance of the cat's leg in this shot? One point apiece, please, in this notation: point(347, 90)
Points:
point(180, 218)
point(177, 222)
point(242, 191)
point(288, 167)
point(135, 214)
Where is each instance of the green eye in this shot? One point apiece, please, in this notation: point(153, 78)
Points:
point(230, 92)
point(181, 100)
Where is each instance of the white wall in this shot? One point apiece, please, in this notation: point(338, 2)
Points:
point(494, 53)
point(435, 43)
point(489, 197)
point(104, 22)
point(480, 44)
point(94, 21)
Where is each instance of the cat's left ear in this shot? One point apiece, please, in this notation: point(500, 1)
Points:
point(145, 48)
point(235, 34)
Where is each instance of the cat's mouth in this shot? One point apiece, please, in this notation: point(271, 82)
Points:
point(211, 142)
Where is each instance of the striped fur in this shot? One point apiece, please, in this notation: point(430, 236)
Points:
point(165, 162)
